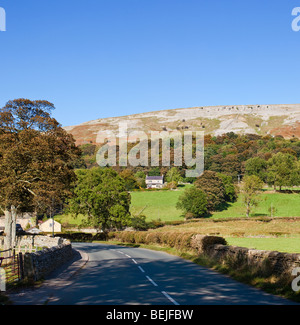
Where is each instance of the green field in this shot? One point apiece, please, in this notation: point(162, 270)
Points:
point(287, 245)
point(162, 205)
point(157, 204)
point(286, 205)
point(252, 232)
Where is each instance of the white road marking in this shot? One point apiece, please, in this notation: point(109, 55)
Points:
point(141, 269)
point(170, 298)
point(155, 285)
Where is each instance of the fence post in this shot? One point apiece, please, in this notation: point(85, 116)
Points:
point(14, 261)
point(2, 280)
point(28, 267)
point(21, 266)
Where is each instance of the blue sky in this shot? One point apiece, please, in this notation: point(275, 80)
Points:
point(103, 58)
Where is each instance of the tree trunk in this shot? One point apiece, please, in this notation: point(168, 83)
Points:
point(248, 210)
point(13, 226)
point(10, 227)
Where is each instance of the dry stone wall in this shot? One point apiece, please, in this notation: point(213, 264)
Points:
point(215, 247)
point(52, 252)
point(39, 264)
point(278, 263)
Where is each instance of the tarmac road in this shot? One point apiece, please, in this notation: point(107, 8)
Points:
point(116, 275)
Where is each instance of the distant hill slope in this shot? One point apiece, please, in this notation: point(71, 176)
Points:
point(281, 120)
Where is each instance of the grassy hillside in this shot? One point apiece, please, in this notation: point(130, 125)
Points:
point(280, 234)
point(157, 204)
point(161, 204)
point(286, 205)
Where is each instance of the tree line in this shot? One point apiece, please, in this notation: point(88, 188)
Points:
point(231, 154)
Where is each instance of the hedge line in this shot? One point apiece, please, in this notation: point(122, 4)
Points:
point(83, 237)
point(182, 240)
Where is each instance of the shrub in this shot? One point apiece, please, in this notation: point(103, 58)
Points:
point(139, 223)
point(155, 224)
point(140, 237)
point(152, 238)
point(101, 236)
point(77, 236)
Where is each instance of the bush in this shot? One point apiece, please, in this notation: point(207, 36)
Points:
point(189, 215)
point(140, 237)
point(157, 223)
point(77, 236)
point(139, 223)
point(101, 236)
point(152, 238)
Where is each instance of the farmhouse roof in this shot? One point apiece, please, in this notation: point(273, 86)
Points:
point(154, 178)
point(50, 220)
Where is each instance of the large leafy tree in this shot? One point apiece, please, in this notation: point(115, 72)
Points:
point(36, 161)
point(173, 175)
point(256, 166)
point(193, 202)
point(250, 188)
point(283, 170)
point(230, 191)
point(101, 194)
point(212, 185)
point(130, 181)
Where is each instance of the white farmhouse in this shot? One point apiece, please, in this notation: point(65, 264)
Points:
point(154, 181)
point(47, 226)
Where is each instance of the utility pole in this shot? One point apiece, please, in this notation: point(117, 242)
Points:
point(52, 216)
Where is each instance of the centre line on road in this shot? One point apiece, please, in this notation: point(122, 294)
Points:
point(170, 298)
point(141, 269)
point(155, 285)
